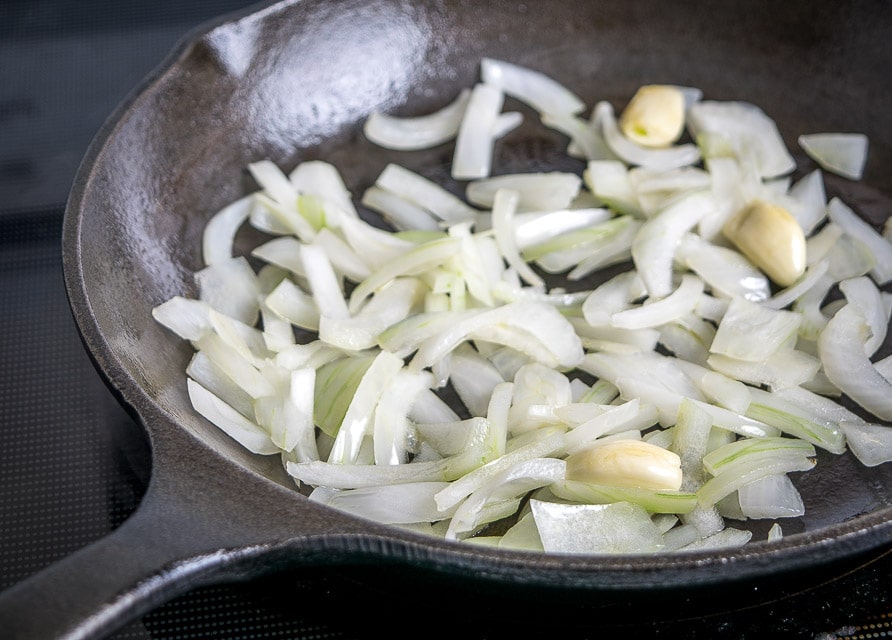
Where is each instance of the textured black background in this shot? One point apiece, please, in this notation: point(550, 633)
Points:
point(72, 463)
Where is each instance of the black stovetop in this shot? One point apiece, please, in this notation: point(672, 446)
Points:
point(73, 465)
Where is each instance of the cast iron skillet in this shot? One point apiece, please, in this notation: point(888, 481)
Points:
point(294, 81)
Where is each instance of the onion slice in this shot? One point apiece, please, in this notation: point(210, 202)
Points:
point(844, 154)
point(419, 132)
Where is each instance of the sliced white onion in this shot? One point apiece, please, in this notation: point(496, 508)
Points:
point(231, 287)
point(325, 287)
point(535, 329)
point(413, 262)
point(536, 227)
point(782, 369)
point(881, 249)
point(663, 159)
point(724, 539)
point(389, 504)
point(358, 420)
point(202, 370)
point(514, 482)
point(545, 443)
point(653, 248)
point(506, 123)
point(398, 212)
point(727, 272)
point(871, 443)
point(230, 421)
point(611, 297)
point(418, 132)
point(391, 428)
point(425, 193)
point(655, 313)
point(615, 528)
point(535, 191)
point(864, 294)
point(323, 180)
point(844, 154)
point(220, 230)
point(472, 157)
point(586, 140)
point(752, 332)
point(811, 278)
point(750, 133)
point(845, 361)
point(808, 201)
point(503, 211)
point(609, 182)
point(189, 319)
point(539, 91)
point(393, 303)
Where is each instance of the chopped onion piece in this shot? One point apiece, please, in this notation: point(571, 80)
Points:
point(474, 144)
point(189, 319)
point(390, 431)
point(658, 312)
point(796, 420)
point(400, 213)
point(871, 443)
point(845, 361)
point(231, 287)
point(854, 226)
point(358, 420)
point(663, 159)
point(220, 230)
point(535, 191)
point(751, 134)
point(654, 500)
point(771, 497)
point(539, 91)
point(867, 298)
point(535, 227)
point(653, 248)
point(586, 140)
point(230, 421)
point(415, 261)
point(405, 503)
point(724, 539)
point(323, 180)
point(727, 272)
point(844, 154)
point(537, 330)
point(752, 332)
point(425, 193)
point(419, 132)
point(503, 210)
point(511, 483)
point(620, 527)
point(807, 201)
point(545, 442)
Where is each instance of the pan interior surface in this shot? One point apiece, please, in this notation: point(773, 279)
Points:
point(295, 82)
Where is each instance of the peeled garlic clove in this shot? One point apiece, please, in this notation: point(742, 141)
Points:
point(771, 238)
point(626, 463)
point(654, 116)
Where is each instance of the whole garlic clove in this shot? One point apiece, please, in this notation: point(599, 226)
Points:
point(627, 463)
point(655, 116)
point(771, 238)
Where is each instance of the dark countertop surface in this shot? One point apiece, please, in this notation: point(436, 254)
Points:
point(73, 465)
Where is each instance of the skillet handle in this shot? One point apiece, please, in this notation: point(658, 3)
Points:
point(101, 587)
point(178, 539)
